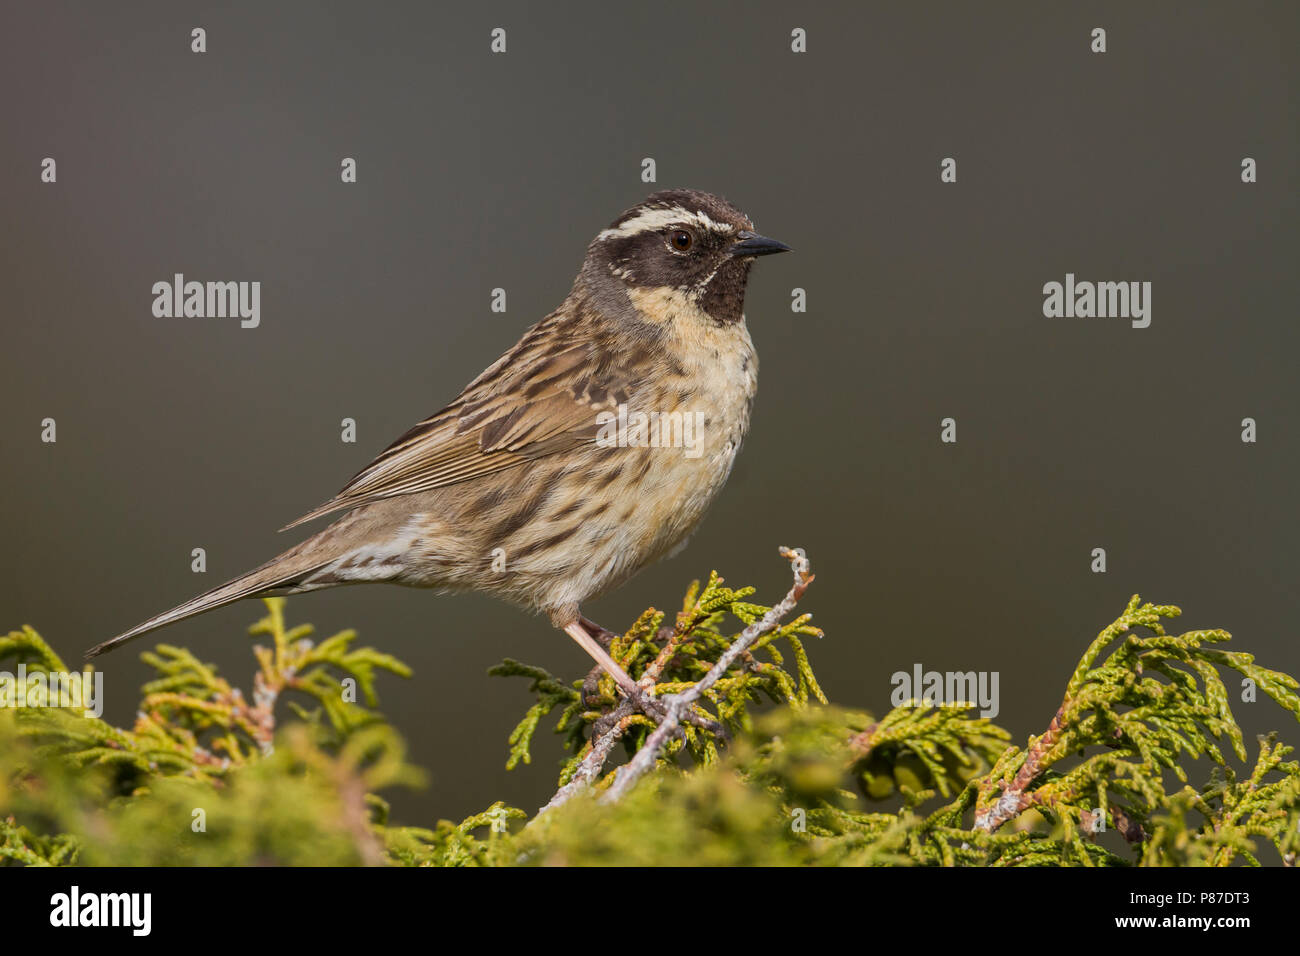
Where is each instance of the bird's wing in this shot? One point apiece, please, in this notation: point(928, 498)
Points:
point(538, 399)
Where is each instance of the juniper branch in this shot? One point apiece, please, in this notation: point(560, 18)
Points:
point(592, 764)
point(678, 704)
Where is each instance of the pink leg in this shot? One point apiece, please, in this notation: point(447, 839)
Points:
point(589, 644)
point(634, 692)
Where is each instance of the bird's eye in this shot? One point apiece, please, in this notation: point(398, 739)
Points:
point(680, 239)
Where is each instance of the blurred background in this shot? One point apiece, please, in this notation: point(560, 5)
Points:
point(478, 171)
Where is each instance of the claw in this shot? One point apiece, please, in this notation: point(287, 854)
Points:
point(595, 640)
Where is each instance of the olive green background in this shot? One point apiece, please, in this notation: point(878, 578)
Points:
point(480, 170)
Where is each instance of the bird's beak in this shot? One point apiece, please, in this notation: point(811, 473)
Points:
point(752, 244)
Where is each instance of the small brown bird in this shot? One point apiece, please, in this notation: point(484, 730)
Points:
point(588, 450)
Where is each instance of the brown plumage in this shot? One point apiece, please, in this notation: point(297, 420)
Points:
point(523, 486)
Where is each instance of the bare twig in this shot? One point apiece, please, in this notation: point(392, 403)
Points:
point(677, 705)
point(592, 764)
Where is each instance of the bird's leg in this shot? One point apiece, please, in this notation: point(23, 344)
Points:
point(634, 691)
point(597, 637)
point(630, 688)
point(603, 635)
point(578, 632)
point(605, 638)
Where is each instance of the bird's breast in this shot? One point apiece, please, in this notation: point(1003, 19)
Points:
point(709, 385)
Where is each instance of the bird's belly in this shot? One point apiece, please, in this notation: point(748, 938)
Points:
point(655, 502)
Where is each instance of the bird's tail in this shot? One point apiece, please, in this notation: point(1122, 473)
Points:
point(284, 572)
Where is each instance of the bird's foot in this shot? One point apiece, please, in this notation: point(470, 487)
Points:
point(595, 640)
point(654, 708)
point(603, 635)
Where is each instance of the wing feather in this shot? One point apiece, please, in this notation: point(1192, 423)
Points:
point(534, 401)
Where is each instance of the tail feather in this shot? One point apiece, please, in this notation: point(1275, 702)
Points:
point(273, 575)
point(332, 505)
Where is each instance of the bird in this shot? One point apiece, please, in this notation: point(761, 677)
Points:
point(590, 449)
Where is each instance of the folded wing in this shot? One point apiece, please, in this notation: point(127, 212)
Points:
point(536, 400)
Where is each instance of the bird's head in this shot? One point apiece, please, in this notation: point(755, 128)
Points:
point(681, 246)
